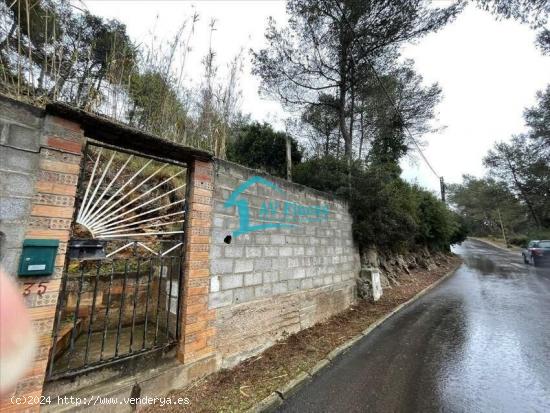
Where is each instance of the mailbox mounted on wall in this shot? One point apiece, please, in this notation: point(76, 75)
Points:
point(38, 257)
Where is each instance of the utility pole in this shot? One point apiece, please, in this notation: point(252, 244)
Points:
point(288, 158)
point(502, 228)
point(442, 186)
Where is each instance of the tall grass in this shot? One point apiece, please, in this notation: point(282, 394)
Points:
point(51, 50)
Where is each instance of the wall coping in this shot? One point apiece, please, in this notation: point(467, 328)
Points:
point(109, 131)
point(37, 111)
point(283, 182)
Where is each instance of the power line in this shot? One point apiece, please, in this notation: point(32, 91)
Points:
point(396, 109)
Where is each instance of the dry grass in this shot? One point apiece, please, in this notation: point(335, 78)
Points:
point(52, 50)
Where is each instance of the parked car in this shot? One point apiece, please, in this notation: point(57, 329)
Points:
point(537, 253)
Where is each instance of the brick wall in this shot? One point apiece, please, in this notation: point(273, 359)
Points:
point(197, 319)
point(39, 165)
point(268, 282)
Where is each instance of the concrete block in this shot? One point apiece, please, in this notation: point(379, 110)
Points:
point(243, 294)
point(285, 274)
point(253, 252)
point(23, 138)
point(285, 251)
point(216, 251)
point(229, 282)
point(270, 276)
point(10, 261)
point(298, 251)
point(279, 263)
point(291, 239)
point(17, 160)
point(310, 231)
point(16, 184)
point(254, 278)
point(20, 113)
point(271, 251)
point(277, 239)
point(14, 233)
point(280, 287)
point(262, 239)
point(244, 265)
point(261, 264)
point(233, 251)
point(294, 285)
point(14, 209)
point(294, 262)
point(214, 284)
point(306, 284)
point(220, 299)
point(262, 290)
point(217, 223)
point(298, 273)
point(317, 282)
point(221, 266)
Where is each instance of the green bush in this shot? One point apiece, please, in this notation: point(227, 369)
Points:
point(258, 146)
point(519, 240)
point(383, 210)
point(387, 211)
point(438, 226)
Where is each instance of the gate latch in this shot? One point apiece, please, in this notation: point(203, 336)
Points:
point(86, 249)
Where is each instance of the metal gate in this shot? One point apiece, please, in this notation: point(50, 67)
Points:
point(121, 287)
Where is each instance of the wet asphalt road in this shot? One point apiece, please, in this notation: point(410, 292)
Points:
point(479, 342)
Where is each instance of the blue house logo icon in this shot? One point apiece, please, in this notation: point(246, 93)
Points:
point(273, 213)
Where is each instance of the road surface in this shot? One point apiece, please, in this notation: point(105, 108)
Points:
point(479, 342)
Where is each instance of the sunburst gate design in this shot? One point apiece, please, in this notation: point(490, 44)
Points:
point(124, 201)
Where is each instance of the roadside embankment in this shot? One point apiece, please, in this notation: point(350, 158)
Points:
point(261, 382)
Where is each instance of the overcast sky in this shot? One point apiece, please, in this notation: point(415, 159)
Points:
point(489, 70)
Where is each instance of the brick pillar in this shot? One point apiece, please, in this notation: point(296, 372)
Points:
point(197, 331)
point(51, 214)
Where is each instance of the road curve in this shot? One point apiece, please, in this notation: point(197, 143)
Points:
point(479, 342)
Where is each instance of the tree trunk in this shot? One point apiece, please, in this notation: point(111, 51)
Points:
point(288, 159)
point(342, 120)
point(327, 141)
point(521, 190)
point(362, 137)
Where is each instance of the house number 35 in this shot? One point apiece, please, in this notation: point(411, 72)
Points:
point(41, 288)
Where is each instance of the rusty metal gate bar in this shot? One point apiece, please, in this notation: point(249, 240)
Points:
point(121, 288)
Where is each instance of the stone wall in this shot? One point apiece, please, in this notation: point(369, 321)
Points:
point(290, 266)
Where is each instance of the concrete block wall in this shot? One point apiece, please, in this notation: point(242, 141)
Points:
point(243, 289)
point(20, 129)
point(40, 159)
point(273, 281)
